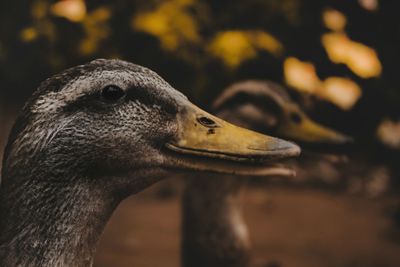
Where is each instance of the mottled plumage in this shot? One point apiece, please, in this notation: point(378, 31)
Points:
point(62, 151)
point(88, 138)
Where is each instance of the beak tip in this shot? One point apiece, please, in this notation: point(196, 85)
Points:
point(295, 150)
point(288, 149)
point(345, 139)
point(349, 139)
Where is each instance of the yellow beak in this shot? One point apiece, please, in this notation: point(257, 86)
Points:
point(203, 134)
point(296, 125)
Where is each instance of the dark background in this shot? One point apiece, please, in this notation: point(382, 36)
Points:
point(36, 43)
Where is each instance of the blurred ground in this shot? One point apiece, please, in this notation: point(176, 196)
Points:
point(288, 227)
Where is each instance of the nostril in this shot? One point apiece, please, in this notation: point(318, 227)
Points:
point(207, 122)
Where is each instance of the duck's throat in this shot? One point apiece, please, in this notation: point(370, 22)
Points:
point(214, 233)
point(52, 224)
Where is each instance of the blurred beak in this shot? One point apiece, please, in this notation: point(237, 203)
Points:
point(303, 129)
point(205, 136)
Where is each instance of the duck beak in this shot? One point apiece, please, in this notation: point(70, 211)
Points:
point(303, 129)
point(203, 135)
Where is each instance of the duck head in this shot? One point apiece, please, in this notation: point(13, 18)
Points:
point(117, 120)
point(93, 135)
point(266, 107)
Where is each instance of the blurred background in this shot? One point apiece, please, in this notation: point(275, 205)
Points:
point(339, 59)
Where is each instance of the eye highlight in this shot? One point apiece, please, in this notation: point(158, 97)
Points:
point(112, 93)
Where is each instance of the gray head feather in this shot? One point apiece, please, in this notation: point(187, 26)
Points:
point(72, 156)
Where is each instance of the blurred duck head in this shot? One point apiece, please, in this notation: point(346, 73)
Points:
point(266, 107)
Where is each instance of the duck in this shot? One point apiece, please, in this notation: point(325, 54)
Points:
point(95, 134)
point(214, 232)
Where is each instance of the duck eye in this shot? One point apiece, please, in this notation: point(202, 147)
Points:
point(112, 93)
point(295, 117)
point(207, 122)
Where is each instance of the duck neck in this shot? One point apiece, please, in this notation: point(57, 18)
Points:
point(52, 222)
point(214, 232)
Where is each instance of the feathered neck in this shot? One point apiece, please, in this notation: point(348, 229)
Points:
point(214, 233)
point(44, 223)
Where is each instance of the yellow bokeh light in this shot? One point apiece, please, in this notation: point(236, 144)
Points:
point(265, 41)
point(388, 133)
point(174, 24)
point(334, 19)
point(96, 28)
point(234, 47)
point(302, 76)
point(100, 14)
point(170, 22)
point(39, 9)
point(29, 34)
point(73, 10)
point(88, 46)
point(370, 5)
point(42, 25)
point(342, 92)
point(361, 59)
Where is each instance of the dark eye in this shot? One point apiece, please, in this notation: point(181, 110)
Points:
point(295, 117)
point(112, 93)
